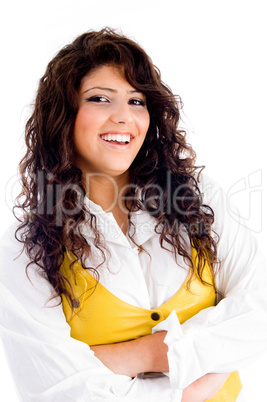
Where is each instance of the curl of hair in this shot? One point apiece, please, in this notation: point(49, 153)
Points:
point(52, 184)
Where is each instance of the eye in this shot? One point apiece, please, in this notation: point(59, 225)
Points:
point(97, 99)
point(137, 102)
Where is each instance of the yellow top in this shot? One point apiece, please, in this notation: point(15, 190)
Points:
point(99, 317)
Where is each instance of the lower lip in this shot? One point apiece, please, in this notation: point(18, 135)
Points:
point(117, 145)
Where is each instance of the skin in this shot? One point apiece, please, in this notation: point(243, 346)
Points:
point(109, 104)
point(149, 354)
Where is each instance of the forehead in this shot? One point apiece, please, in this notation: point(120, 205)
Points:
point(105, 76)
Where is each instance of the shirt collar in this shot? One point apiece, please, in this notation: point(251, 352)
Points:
point(143, 227)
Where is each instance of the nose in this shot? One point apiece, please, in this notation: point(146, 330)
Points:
point(121, 113)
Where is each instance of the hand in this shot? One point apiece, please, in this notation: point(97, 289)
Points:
point(145, 354)
point(204, 388)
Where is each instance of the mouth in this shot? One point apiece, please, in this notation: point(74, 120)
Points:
point(124, 138)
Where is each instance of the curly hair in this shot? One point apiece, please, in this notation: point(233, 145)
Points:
point(52, 184)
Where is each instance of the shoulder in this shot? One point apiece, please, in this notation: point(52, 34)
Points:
point(26, 282)
point(8, 241)
point(211, 190)
point(11, 249)
point(227, 221)
point(218, 199)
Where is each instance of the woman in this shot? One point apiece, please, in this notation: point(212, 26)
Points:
point(131, 263)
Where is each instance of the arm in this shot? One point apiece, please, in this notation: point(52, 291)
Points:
point(149, 354)
point(47, 364)
point(204, 388)
point(146, 354)
point(232, 334)
point(211, 341)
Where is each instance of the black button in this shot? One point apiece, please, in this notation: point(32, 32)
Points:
point(155, 316)
point(75, 303)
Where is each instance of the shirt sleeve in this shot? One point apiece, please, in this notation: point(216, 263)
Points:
point(47, 364)
point(232, 334)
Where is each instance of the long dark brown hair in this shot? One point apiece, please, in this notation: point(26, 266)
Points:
point(163, 174)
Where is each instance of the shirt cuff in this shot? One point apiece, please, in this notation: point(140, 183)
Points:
point(174, 334)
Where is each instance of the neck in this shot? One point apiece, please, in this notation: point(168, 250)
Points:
point(109, 193)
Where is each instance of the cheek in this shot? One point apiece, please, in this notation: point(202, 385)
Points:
point(83, 120)
point(81, 132)
point(86, 126)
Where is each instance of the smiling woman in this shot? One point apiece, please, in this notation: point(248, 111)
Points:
point(126, 278)
point(110, 128)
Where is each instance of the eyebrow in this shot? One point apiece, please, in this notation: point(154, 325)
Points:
point(112, 90)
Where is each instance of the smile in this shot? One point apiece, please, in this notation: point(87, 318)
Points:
point(119, 138)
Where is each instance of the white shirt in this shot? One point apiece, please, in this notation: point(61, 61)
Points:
point(49, 365)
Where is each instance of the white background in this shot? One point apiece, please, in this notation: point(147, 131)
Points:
point(212, 53)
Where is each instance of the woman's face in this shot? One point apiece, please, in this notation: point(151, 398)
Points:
point(111, 123)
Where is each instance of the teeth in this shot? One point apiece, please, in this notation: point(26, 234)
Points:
point(116, 137)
